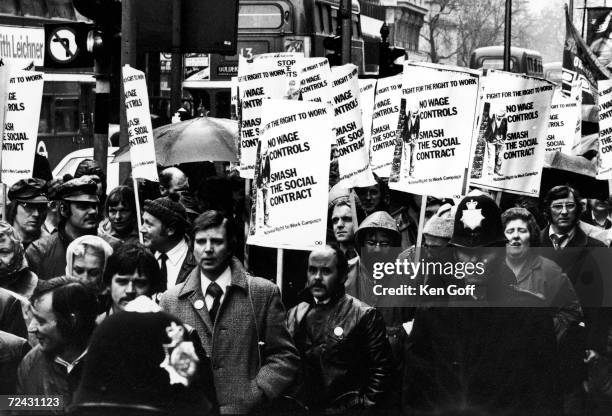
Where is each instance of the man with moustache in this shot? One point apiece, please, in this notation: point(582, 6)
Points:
point(131, 271)
point(239, 319)
point(79, 216)
point(346, 358)
point(63, 319)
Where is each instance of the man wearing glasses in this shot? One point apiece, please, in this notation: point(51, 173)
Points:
point(28, 208)
point(571, 249)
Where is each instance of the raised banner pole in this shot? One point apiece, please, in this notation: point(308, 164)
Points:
point(280, 254)
point(138, 215)
point(4, 78)
point(247, 223)
point(419, 241)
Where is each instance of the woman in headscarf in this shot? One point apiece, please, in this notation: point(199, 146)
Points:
point(15, 274)
point(86, 259)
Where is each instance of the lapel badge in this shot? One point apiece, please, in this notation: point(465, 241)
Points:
point(198, 304)
point(338, 331)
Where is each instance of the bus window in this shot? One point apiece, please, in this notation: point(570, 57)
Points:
point(260, 16)
point(33, 8)
point(318, 19)
point(326, 19)
point(66, 115)
point(334, 18)
point(496, 63)
point(44, 125)
point(8, 7)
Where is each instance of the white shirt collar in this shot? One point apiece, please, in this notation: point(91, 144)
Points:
point(224, 280)
point(177, 252)
point(570, 235)
point(70, 366)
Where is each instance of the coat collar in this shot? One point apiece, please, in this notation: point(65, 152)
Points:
point(579, 239)
point(532, 262)
point(193, 282)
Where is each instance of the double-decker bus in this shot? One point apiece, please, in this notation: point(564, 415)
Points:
point(273, 26)
point(522, 61)
point(66, 114)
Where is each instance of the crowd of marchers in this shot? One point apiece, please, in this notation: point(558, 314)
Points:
point(176, 324)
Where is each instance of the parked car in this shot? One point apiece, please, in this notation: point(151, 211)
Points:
point(70, 162)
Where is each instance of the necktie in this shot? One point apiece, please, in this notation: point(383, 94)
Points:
point(558, 240)
point(215, 291)
point(163, 257)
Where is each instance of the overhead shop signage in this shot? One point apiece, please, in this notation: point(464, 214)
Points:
point(22, 45)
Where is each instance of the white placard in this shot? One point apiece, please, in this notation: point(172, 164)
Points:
point(350, 151)
point(291, 184)
point(23, 103)
point(508, 154)
point(140, 130)
point(432, 146)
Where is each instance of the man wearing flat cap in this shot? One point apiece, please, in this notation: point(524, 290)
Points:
point(164, 224)
point(78, 211)
point(27, 209)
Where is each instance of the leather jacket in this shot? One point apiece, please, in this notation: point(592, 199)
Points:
point(352, 366)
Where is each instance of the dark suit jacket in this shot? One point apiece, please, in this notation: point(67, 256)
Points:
point(578, 263)
point(11, 316)
point(187, 267)
point(251, 351)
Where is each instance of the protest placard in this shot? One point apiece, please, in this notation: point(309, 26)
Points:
point(434, 136)
point(290, 185)
point(140, 130)
point(257, 85)
point(367, 91)
point(508, 153)
point(604, 159)
point(564, 125)
point(313, 76)
point(270, 75)
point(350, 150)
point(22, 113)
point(385, 115)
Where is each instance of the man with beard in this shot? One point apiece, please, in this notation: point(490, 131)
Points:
point(131, 271)
point(491, 349)
point(79, 216)
point(63, 319)
point(346, 358)
point(27, 209)
point(239, 319)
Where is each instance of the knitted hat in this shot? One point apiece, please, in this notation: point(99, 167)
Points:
point(145, 362)
point(441, 223)
point(167, 209)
